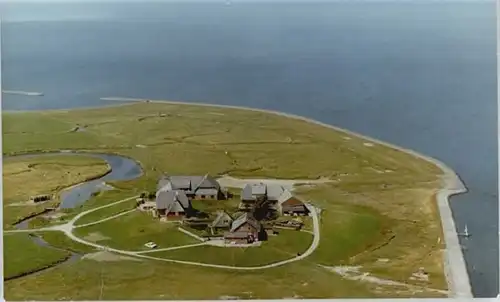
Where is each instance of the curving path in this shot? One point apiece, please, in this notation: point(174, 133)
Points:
point(309, 251)
point(171, 248)
point(68, 227)
point(454, 263)
point(103, 220)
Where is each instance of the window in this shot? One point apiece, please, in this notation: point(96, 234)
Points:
point(203, 196)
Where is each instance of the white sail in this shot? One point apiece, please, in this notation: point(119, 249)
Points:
point(465, 233)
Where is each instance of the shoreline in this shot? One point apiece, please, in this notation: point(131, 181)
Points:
point(454, 263)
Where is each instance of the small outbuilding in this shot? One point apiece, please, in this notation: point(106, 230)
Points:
point(245, 229)
point(222, 221)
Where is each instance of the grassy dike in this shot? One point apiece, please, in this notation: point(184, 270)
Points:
point(382, 204)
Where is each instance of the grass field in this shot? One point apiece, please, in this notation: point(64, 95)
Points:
point(212, 206)
point(22, 255)
point(398, 224)
point(59, 240)
point(179, 282)
point(133, 230)
point(134, 279)
point(21, 180)
point(381, 206)
point(107, 212)
point(57, 171)
point(284, 246)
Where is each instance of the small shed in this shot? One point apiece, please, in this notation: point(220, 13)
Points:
point(223, 220)
point(245, 224)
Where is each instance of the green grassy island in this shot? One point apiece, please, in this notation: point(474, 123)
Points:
point(379, 232)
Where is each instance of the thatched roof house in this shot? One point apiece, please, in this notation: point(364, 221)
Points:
point(252, 192)
point(172, 203)
point(246, 223)
point(198, 187)
point(290, 204)
point(244, 229)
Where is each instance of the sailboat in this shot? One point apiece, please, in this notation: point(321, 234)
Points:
point(465, 233)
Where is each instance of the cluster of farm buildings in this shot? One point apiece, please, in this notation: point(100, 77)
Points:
point(258, 203)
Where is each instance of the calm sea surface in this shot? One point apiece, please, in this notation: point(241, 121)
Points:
point(420, 75)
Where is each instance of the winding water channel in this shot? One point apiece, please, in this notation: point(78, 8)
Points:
point(122, 168)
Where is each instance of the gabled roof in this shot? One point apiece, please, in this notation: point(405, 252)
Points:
point(274, 192)
point(245, 218)
point(162, 182)
point(288, 201)
point(207, 182)
point(259, 189)
point(221, 216)
point(251, 191)
point(181, 182)
point(286, 195)
point(246, 193)
point(183, 199)
point(168, 199)
point(188, 183)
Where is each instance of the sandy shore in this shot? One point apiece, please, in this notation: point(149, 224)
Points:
point(454, 263)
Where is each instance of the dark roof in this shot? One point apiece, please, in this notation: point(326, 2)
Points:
point(246, 193)
point(298, 208)
point(292, 201)
point(162, 182)
point(184, 182)
point(167, 199)
point(245, 218)
point(188, 183)
point(221, 215)
point(207, 182)
point(259, 189)
point(274, 192)
point(251, 191)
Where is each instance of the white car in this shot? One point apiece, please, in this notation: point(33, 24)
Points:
point(150, 245)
